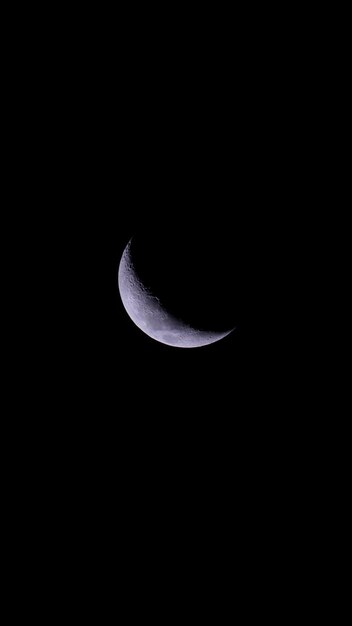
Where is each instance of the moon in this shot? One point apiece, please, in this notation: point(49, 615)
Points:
point(151, 316)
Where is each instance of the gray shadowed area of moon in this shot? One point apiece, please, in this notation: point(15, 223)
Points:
point(150, 315)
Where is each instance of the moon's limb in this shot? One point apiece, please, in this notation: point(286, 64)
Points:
point(147, 312)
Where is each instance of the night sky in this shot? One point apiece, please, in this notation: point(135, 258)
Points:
point(166, 151)
point(139, 472)
point(195, 150)
point(200, 142)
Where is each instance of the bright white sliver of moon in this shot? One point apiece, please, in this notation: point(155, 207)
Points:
point(147, 312)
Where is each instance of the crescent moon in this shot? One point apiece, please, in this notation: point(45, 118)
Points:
point(147, 312)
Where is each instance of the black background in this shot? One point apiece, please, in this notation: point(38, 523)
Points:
point(129, 464)
point(127, 132)
point(203, 141)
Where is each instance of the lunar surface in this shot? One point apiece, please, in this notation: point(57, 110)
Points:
point(150, 315)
